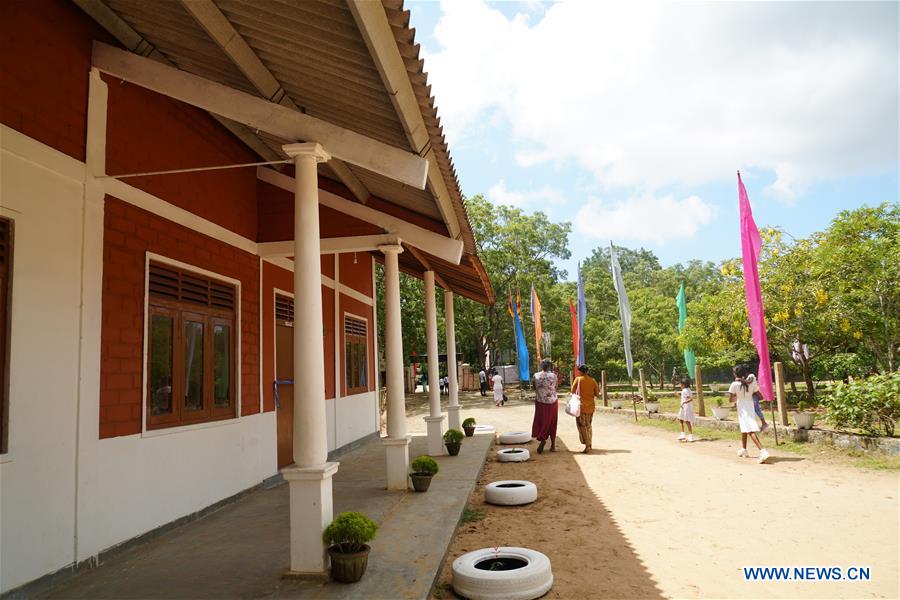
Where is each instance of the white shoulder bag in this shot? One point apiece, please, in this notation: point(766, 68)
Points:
point(573, 406)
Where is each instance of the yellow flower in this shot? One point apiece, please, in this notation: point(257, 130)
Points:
point(857, 334)
point(798, 310)
point(821, 297)
point(845, 325)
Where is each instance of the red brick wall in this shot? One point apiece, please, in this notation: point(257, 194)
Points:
point(129, 233)
point(150, 132)
point(45, 59)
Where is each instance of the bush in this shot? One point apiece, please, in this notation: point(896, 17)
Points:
point(453, 436)
point(802, 405)
point(872, 404)
point(349, 532)
point(424, 465)
point(469, 422)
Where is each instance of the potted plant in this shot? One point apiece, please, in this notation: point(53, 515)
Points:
point(616, 401)
point(652, 403)
point(468, 425)
point(346, 537)
point(720, 411)
point(453, 440)
point(803, 419)
point(424, 468)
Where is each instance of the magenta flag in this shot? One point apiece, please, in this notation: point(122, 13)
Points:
point(751, 243)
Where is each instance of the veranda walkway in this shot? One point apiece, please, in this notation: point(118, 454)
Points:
point(242, 550)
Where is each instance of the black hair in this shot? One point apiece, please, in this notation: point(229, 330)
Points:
point(741, 371)
point(583, 369)
point(686, 382)
point(546, 364)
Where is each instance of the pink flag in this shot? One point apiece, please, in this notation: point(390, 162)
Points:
point(750, 247)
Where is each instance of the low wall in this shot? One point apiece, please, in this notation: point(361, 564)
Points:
point(850, 441)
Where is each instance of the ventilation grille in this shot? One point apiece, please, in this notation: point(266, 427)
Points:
point(354, 326)
point(183, 286)
point(284, 309)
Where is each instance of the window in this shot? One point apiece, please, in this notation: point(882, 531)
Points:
point(356, 354)
point(6, 250)
point(191, 348)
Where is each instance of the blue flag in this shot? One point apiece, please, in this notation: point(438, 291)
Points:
point(522, 347)
point(582, 315)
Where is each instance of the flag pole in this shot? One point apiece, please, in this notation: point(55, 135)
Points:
point(774, 424)
point(633, 404)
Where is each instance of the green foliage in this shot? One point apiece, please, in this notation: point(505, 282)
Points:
point(871, 404)
point(802, 405)
point(471, 515)
point(349, 532)
point(453, 436)
point(468, 422)
point(842, 365)
point(424, 465)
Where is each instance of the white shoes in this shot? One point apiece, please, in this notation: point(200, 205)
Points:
point(681, 437)
point(763, 456)
point(743, 453)
point(690, 437)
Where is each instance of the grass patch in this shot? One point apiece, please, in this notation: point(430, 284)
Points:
point(811, 450)
point(440, 590)
point(471, 515)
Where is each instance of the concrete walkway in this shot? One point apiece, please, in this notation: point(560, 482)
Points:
point(242, 550)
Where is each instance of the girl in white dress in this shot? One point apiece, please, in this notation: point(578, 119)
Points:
point(498, 389)
point(686, 412)
point(742, 389)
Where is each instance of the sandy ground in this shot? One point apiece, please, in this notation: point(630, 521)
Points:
point(646, 517)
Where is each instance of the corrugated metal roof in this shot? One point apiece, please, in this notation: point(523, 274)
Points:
point(315, 51)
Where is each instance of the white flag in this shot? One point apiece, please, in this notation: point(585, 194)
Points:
point(624, 307)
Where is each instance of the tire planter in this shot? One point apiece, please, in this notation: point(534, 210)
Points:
point(505, 573)
point(616, 403)
point(515, 437)
point(420, 482)
point(510, 492)
point(513, 455)
point(485, 429)
point(453, 449)
point(721, 412)
point(348, 568)
point(652, 407)
point(470, 431)
point(804, 420)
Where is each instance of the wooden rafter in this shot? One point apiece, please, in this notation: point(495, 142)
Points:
point(426, 264)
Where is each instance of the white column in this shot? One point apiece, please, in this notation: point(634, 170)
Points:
point(453, 407)
point(310, 476)
point(397, 442)
point(435, 419)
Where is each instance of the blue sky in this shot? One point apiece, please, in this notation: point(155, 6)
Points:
point(630, 119)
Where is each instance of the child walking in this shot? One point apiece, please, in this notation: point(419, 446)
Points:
point(686, 412)
point(742, 389)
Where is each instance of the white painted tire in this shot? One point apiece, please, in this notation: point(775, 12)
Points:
point(526, 583)
point(515, 437)
point(513, 455)
point(510, 492)
point(484, 429)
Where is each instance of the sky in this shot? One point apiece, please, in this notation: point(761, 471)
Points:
point(630, 119)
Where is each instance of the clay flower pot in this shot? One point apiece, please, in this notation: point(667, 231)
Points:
point(348, 568)
point(420, 481)
point(470, 431)
point(453, 447)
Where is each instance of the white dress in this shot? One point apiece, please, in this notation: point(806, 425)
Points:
point(686, 412)
point(745, 411)
point(498, 388)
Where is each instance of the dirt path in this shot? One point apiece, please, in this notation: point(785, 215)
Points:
point(644, 516)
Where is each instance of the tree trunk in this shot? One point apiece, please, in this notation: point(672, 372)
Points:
point(807, 377)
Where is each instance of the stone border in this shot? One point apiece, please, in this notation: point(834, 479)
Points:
point(849, 441)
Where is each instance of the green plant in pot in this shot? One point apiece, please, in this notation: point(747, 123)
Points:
point(802, 418)
point(423, 469)
point(346, 537)
point(453, 440)
point(469, 426)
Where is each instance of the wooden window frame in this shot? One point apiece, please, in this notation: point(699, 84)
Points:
point(353, 343)
point(6, 277)
point(182, 311)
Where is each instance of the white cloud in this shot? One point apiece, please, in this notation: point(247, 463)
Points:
point(646, 95)
point(644, 219)
point(533, 199)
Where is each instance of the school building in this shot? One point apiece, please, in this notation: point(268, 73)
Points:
point(194, 195)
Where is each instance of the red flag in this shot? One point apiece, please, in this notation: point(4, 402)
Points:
point(574, 331)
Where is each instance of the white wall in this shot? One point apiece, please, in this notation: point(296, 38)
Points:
point(37, 476)
point(355, 416)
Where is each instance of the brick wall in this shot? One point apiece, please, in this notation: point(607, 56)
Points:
point(129, 233)
point(45, 59)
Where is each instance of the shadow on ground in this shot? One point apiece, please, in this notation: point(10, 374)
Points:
point(590, 556)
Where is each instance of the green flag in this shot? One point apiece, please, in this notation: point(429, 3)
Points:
point(690, 361)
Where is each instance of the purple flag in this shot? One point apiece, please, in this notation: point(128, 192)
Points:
point(750, 247)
